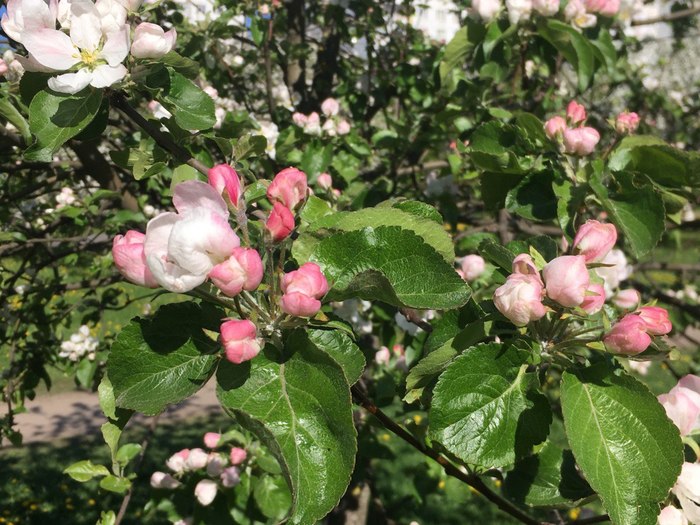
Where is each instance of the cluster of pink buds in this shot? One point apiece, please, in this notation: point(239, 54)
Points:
point(631, 335)
point(220, 468)
point(182, 250)
point(577, 139)
point(626, 123)
point(333, 125)
point(564, 280)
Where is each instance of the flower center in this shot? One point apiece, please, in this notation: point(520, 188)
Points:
point(89, 58)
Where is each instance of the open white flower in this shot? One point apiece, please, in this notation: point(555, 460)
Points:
point(94, 56)
point(24, 15)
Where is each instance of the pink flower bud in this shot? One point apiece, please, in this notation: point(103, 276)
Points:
point(656, 319)
point(472, 267)
point(299, 119)
point(554, 127)
point(330, 107)
point(151, 41)
point(520, 299)
point(343, 127)
point(524, 264)
point(224, 177)
point(594, 240)
point(238, 455)
point(546, 7)
point(324, 181)
point(215, 464)
point(280, 223)
point(603, 7)
point(580, 141)
point(176, 462)
point(242, 271)
point(302, 290)
point(627, 299)
point(161, 480)
point(197, 459)
point(670, 515)
point(3, 67)
point(567, 280)
point(130, 259)
point(592, 304)
point(240, 340)
point(628, 336)
point(576, 113)
point(682, 406)
point(230, 477)
point(205, 492)
point(382, 356)
point(288, 187)
point(211, 439)
point(626, 122)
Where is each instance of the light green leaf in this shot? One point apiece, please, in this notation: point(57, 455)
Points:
point(191, 107)
point(628, 450)
point(8, 110)
point(127, 452)
point(272, 497)
point(389, 264)
point(486, 407)
point(341, 349)
point(159, 361)
point(299, 405)
point(54, 119)
point(115, 484)
point(547, 479)
point(85, 470)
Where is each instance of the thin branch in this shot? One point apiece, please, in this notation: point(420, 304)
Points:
point(667, 18)
point(120, 102)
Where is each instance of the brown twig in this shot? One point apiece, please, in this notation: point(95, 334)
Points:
point(667, 18)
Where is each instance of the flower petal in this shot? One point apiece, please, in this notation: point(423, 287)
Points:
point(104, 76)
point(116, 46)
point(85, 25)
point(197, 194)
point(71, 82)
point(51, 48)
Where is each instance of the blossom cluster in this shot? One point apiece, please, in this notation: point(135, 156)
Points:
point(80, 344)
point(219, 470)
point(333, 125)
point(85, 42)
point(580, 13)
point(183, 249)
point(566, 281)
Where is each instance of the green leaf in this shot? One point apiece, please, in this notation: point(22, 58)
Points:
point(497, 254)
point(115, 484)
point(501, 148)
point(159, 361)
point(54, 119)
point(111, 434)
point(486, 408)
point(547, 479)
point(85, 470)
point(107, 518)
point(127, 452)
point(316, 159)
point(341, 349)
point(300, 407)
point(389, 264)
point(460, 47)
point(417, 208)
point(533, 198)
point(575, 47)
point(569, 201)
point(636, 208)
point(191, 107)
point(430, 231)
point(627, 448)
point(272, 497)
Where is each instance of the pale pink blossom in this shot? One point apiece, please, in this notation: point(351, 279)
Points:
point(594, 300)
point(554, 127)
point(330, 107)
point(683, 408)
point(626, 122)
point(161, 480)
point(656, 319)
point(280, 222)
point(472, 267)
point(518, 10)
point(240, 340)
point(628, 336)
point(196, 459)
point(182, 248)
point(152, 41)
point(603, 7)
point(566, 279)
point(205, 492)
point(594, 240)
point(520, 299)
point(177, 462)
point(670, 515)
point(581, 141)
point(343, 127)
point(28, 15)
point(524, 264)
point(576, 113)
point(242, 271)
point(223, 177)
point(299, 119)
point(687, 490)
point(627, 299)
point(302, 290)
point(289, 187)
point(546, 7)
point(324, 181)
point(130, 259)
point(238, 455)
point(383, 356)
point(3, 68)
point(487, 9)
point(211, 439)
point(230, 477)
point(215, 464)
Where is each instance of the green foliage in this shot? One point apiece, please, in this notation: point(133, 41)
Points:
point(627, 448)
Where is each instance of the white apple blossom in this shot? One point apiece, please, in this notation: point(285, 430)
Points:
point(24, 15)
point(687, 490)
point(518, 10)
point(92, 54)
point(151, 41)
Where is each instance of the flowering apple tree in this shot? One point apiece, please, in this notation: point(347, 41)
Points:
point(285, 190)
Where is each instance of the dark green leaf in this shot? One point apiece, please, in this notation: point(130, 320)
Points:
point(191, 107)
point(342, 349)
point(533, 198)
